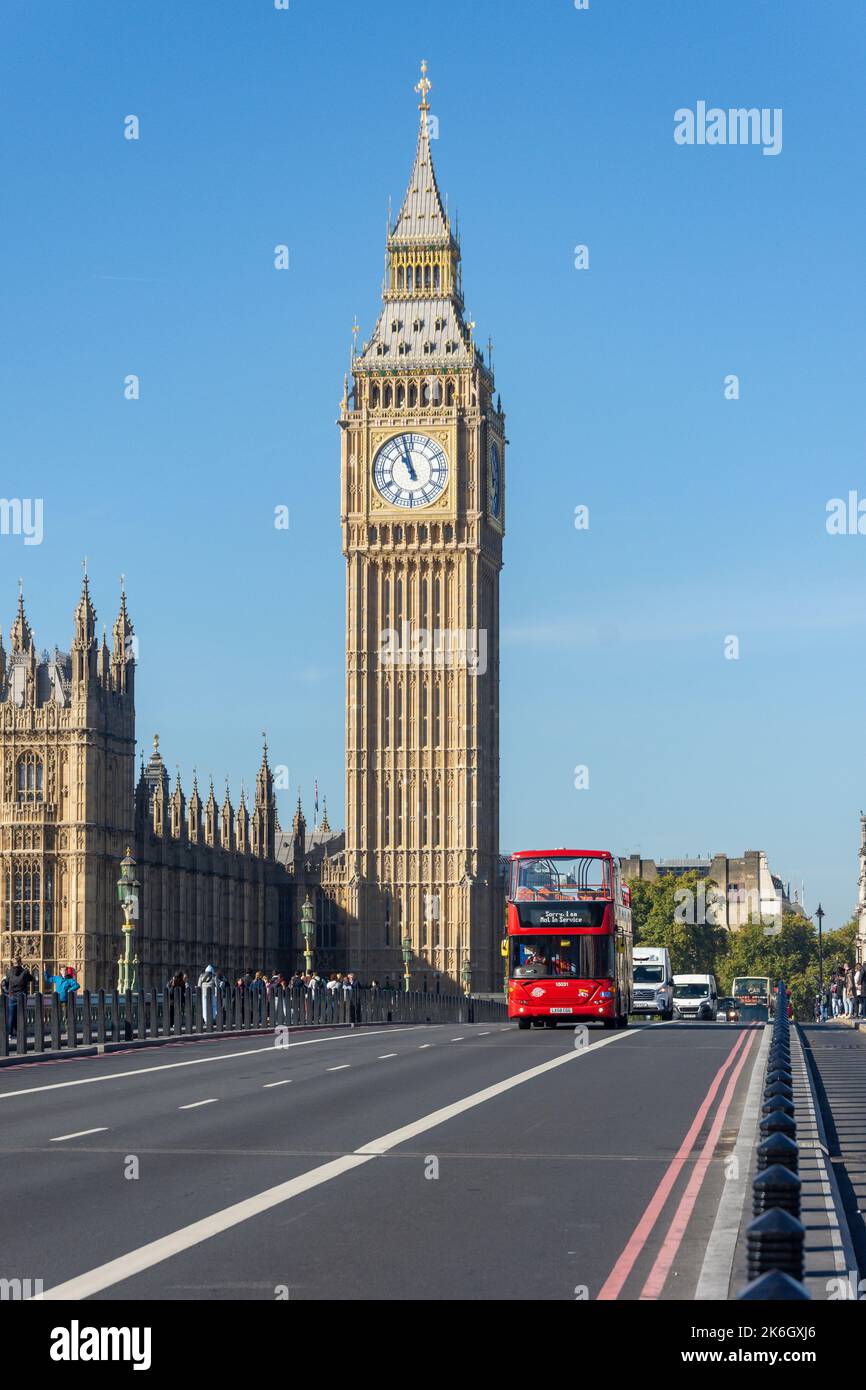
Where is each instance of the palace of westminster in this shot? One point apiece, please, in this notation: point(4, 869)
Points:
point(417, 871)
point(422, 487)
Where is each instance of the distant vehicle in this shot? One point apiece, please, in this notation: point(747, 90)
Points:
point(695, 996)
point(569, 939)
point(729, 1009)
point(653, 982)
point(755, 996)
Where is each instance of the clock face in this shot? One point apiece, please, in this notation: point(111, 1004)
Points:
point(410, 471)
point(495, 481)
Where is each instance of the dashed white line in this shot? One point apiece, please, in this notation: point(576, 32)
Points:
point(423, 1045)
point(456, 1039)
point(385, 1055)
point(268, 1084)
point(195, 1061)
point(485, 1034)
point(193, 1105)
point(146, 1256)
point(79, 1133)
point(344, 1067)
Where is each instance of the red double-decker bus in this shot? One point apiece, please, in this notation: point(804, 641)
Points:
point(569, 942)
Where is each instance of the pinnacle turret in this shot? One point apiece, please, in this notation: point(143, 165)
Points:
point(20, 635)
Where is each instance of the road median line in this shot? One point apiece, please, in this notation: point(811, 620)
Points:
point(146, 1256)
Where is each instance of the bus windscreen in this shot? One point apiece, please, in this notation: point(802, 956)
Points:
point(576, 957)
point(560, 878)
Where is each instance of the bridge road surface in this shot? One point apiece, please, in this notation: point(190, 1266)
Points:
point(541, 1184)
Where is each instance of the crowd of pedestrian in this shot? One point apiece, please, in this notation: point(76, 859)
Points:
point(844, 994)
point(213, 983)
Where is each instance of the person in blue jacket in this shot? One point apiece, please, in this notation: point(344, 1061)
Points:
point(64, 984)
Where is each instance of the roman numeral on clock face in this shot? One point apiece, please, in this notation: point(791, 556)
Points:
point(410, 470)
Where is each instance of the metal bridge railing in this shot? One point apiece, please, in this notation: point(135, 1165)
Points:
point(44, 1022)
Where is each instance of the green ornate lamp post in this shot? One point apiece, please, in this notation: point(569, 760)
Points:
point(466, 974)
point(308, 930)
point(407, 956)
point(127, 893)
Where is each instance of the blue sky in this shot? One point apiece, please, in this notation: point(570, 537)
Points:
point(707, 516)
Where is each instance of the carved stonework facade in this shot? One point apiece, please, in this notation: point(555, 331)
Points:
point(422, 479)
point(217, 886)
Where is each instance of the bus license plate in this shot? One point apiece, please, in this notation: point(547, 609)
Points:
point(560, 1011)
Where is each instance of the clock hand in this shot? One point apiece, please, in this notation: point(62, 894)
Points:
point(407, 458)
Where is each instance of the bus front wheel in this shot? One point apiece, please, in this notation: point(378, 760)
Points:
point(523, 1023)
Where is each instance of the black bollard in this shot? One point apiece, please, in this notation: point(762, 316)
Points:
point(776, 1187)
point(774, 1241)
point(777, 1122)
point(777, 1103)
point(778, 1148)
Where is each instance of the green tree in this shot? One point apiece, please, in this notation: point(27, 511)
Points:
point(667, 911)
point(840, 946)
point(786, 951)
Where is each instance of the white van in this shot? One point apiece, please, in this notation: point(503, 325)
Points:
point(652, 981)
point(695, 996)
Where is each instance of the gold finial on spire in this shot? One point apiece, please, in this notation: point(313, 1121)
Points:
point(424, 86)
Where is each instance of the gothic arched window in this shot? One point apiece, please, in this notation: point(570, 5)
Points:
point(435, 277)
point(399, 277)
point(413, 394)
point(30, 779)
point(29, 897)
point(401, 394)
point(409, 278)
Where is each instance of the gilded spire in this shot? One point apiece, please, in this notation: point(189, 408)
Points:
point(424, 86)
point(422, 215)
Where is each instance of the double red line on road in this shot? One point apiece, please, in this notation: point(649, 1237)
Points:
point(613, 1285)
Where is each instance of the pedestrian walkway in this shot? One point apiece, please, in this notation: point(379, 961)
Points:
point(838, 1058)
point(827, 1251)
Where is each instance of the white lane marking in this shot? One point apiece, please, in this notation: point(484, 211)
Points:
point(269, 1084)
point(193, 1105)
point(79, 1133)
point(438, 1117)
point(423, 1045)
point(485, 1034)
point(456, 1039)
point(385, 1055)
point(195, 1062)
point(342, 1067)
point(126, 1266)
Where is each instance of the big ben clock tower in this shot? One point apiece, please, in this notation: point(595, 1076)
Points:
point(423, 511)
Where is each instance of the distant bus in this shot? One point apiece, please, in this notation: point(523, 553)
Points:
point(569, 942)
point(755, 997)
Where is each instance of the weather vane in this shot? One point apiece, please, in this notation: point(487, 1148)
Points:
point(424, 86)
